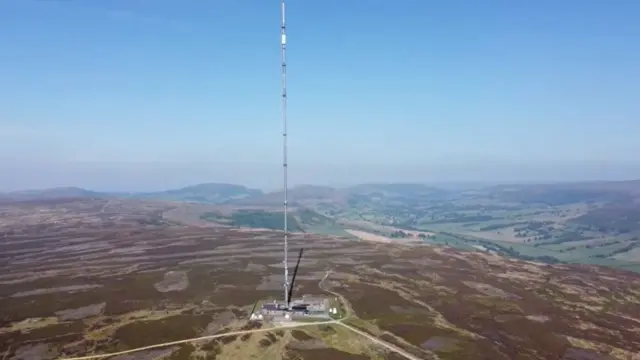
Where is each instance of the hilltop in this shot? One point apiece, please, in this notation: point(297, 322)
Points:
point(52, 193)
point(217, 193)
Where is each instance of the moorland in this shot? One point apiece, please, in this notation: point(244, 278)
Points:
point(587, 223)
point(94, 274)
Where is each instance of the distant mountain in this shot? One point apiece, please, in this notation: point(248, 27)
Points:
point(217, 193)
point(220, 193)
point(298, 194)
point(53, 193)
point(396, 188)
point(566, 193)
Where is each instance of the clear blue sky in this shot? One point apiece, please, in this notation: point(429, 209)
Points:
point(148, 94)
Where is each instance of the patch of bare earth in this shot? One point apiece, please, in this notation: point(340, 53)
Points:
point(173, 281)
point(81, 313)
point(366, 236)
point(62, 289)
point(538, 318)
point(489, 290)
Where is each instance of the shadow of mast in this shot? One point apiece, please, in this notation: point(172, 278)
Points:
point(293, 277)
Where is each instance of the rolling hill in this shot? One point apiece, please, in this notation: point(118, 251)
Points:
point(80, 280)
point(52, 193)
point(301, 194)
point(585, 222)
point(217, 193)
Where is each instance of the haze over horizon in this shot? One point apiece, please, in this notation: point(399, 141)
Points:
point(160, 177)
point(142, 96)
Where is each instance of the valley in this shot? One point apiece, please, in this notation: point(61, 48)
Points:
point(590, 223)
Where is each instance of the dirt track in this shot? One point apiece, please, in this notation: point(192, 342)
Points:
point(388, 346)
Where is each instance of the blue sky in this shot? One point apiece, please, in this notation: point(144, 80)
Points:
point(149, 94)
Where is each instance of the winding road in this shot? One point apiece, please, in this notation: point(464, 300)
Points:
point(105, 206)
point(383, 343)
point(339, 322)
point(202, 338)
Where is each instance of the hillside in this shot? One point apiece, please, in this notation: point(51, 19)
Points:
point(587, 222)
point(52, 193)
point(299, 220)
point(217, 193)
point(89, 276)
point(301, 194)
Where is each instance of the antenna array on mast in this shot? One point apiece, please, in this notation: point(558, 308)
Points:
point(283, 44)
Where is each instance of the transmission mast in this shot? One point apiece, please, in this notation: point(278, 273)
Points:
point(283, 45)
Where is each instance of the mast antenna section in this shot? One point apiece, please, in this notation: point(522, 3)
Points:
point(283, 46)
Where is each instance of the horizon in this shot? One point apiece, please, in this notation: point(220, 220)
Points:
point(159, 176)
point(144, 96)
point(442, 185)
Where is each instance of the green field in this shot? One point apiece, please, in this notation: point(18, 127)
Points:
point(302, 220)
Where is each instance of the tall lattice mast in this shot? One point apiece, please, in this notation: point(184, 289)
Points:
point(283, 44)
